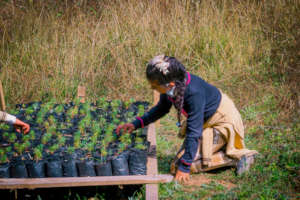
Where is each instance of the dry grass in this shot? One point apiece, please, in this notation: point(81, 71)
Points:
point(48, 48)
point(249, 49)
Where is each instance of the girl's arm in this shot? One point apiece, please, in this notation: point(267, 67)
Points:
point(18, 124)
point(156, 112)
point(195, 109)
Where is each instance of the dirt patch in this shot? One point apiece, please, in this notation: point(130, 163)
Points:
point(197, 180)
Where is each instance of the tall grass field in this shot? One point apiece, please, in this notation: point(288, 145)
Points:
point(249, 49)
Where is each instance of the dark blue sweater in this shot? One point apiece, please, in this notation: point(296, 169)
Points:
point(201, 101)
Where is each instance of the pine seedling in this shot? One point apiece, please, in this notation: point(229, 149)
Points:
point(102, 121)
point(71, 150)
point(96, 128)
point(52, 120)
point(101, 101)
point(35, 106)
point(46, 124)
point(32, 135)
point(105, 105)
point(37, 154)
point(8, 149)
point(127, 104)
point(53, 148)
point(77, 139)
point(2, 152)
point(90, 146)
point(125, 139)
point(51, 130)
point(59, 108)
point(139, 140)
point(61, 141)
point(13, 112)
point(5, 135)
point(12, 138)
point(39, 119)
point(94, 139)
point(29, 111)
point(19, 148)
point(116, 121)
point(4, 127)
point(122, 147)
point(3, 159)
point(28, 117)
point(140, 146)
point(26, 144)
point(46, 138)
point(141, 110)
point(87, 120)
point(103, 152)
point(26, 138)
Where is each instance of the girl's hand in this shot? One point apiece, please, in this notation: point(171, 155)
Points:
point(125, 128)
point(21, 126)
point(182, 176)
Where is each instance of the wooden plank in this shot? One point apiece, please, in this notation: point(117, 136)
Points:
point(3, 107)
point(31, 183)
point(152, 189)
point(152, 161)
point(81, 93)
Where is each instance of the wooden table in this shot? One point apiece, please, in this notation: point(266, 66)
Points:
point(151, 179)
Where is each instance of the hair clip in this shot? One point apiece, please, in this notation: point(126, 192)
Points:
point(160, 63)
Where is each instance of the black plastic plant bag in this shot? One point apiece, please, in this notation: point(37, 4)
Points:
point(54, 168)
point(36, 169)
point(4, 170)
point(120, 165)
point(18, 170)
point(137, 162)
point(103, 169)
point(69, 166)
point(86, 168)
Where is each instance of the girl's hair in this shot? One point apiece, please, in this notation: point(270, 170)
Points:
point(164, 70)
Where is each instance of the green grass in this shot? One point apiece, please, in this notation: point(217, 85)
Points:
point(275, 174)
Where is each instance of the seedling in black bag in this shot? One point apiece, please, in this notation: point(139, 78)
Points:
point(12, 137)
point(32, 135)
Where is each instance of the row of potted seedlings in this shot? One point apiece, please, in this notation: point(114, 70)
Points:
point(73, 139)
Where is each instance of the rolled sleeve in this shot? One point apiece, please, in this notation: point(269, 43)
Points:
point(7, 118)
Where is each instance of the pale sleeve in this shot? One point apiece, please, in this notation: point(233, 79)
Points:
point(5, 117)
